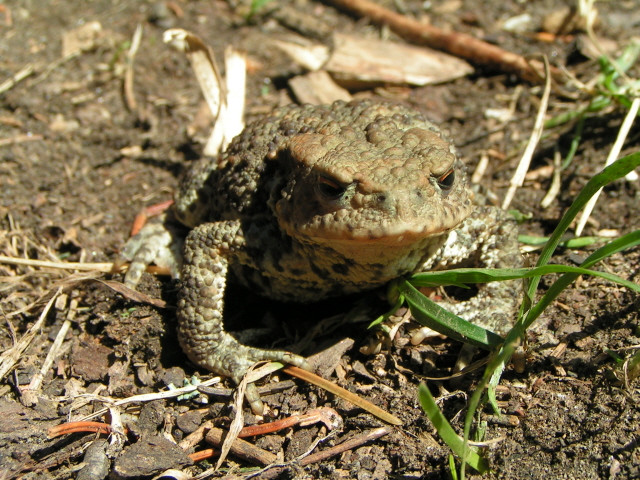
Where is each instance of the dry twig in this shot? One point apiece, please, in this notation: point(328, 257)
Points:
point(77, 427)
point(240, 448)
point(328, 416)
point(347, 445)
point(238, 418)
point(355, 442)
point(556, 182)
point(93, 267)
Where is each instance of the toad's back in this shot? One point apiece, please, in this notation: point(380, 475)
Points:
point(331, 199)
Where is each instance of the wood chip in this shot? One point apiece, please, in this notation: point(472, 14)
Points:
point(317, 88)
point(359, 61)
point(81, 39)
point(305, 53)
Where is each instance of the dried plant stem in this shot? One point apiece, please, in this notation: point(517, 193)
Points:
point(19, 139)
point(518, 177)
point(144, 397)
point(238, 420)
point(275, 471)
point(30, 395)
point(342, 393)
point(556, 182)
point(100, 267)
point(23, 73)
point(613, 155)
point(10, 357)
point(129, 95)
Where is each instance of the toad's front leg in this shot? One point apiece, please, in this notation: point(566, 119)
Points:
point(488, 238)
point(208, 250)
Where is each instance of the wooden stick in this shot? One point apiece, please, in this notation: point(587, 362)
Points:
point(241, 448)
point(350, 444)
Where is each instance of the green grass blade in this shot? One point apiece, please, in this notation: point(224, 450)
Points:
point(626, 241)
point(452, 467)
point(614, 246)
point(463, 276)
point(624, 62)
point(432, 315)
point(447, 433)
point(497, 363)
point(575, 142)
point(573, 242)
point(616, 170)
point(633, 367)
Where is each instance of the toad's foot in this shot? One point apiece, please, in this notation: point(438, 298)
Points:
point(200, 305)
point(160, 241)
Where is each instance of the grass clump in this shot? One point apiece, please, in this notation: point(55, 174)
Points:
point(607, 90)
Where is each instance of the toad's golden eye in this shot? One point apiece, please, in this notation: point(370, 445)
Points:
point(445, 182)
point(330, 188)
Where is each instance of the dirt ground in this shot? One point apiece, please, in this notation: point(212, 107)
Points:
point(76, 165)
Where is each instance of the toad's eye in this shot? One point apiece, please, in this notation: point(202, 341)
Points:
point(445, 182)
point(330, 188)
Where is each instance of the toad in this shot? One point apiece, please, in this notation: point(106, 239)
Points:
point(311, 202)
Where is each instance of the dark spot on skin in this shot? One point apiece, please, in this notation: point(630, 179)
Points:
point(376, 269)
point(321, 272)
point(296, 272)
point(340, 268)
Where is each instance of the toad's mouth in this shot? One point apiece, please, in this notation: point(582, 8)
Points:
point(370, 227)
point(390, 234)
point(386, 237)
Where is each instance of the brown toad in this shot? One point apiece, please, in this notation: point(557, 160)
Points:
point(318, 201)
